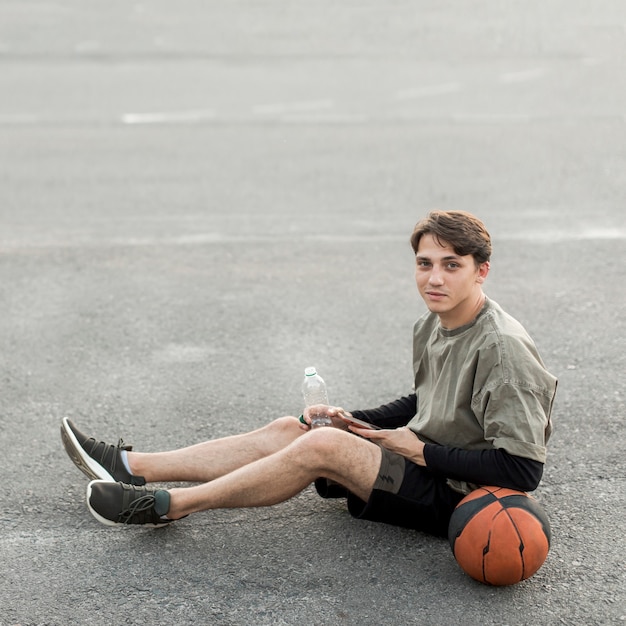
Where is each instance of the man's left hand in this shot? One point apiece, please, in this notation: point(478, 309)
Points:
point(402, 441)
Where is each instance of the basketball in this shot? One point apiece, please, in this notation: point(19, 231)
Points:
point(499, 536)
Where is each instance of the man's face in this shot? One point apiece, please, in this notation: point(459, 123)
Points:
point(449, 284)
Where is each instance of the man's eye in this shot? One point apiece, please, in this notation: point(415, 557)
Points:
point(452, 266)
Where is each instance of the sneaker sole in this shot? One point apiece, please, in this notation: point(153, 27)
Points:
point(88, 466)
point(108, 522)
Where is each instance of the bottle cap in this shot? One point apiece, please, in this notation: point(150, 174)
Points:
point(310, 371)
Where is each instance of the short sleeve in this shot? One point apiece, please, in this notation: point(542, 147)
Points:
point(516, 418)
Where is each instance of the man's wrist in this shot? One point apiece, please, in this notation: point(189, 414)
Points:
point(420, 458)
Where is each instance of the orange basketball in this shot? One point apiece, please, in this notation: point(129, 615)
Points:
point(499, 536)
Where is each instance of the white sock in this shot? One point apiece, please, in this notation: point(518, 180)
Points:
point(124, 456)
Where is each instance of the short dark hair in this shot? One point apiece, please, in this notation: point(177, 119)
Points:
point(464, 232)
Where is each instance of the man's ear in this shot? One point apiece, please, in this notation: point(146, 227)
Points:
point(483, 270)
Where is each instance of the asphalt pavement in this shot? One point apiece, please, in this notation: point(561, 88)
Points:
point(198, 200)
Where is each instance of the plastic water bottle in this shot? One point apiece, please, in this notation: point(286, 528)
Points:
point(314, 392)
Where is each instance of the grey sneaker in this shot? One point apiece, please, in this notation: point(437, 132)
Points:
point(97, 459)
point(116, 504)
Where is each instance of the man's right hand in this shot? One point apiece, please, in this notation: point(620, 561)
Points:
point(331, 411)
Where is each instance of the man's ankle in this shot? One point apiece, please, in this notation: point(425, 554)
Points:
point(175, 511)
point(132, 461)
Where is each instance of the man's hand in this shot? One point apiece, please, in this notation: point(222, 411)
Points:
point(332, 412)
point(402, 441)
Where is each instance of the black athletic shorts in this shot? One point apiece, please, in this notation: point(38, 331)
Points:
point(404, 494)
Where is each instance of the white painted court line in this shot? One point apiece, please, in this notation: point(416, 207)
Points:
point(281, 108)
point(557, 236)
point(88, 46)
point(19, 118)
point(169, 117)
point(524, 76)
point(492, 118)
point(323, 118)
point(591, 61)
point(427, 91)
point(553, 236)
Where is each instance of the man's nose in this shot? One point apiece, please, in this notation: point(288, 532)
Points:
point(436, 277)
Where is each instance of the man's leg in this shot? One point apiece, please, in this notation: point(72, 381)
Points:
point(206, 461)
point(326, 452)
point(107, 461)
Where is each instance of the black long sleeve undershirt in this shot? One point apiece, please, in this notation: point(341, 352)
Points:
point(482, 467)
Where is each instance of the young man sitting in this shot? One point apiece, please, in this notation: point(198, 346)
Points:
point(479, 415)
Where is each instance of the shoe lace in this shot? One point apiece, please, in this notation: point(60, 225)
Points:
point(140, 505)
point(105, 449)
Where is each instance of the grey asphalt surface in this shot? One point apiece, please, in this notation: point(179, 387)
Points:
point(198, 200)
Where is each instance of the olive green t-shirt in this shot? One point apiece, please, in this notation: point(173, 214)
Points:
point(482, 385)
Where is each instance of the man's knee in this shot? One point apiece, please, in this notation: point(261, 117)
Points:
point(287, 424)
point(340, 456)
point(321, 446)
point(283, 429)
point(277, 434)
